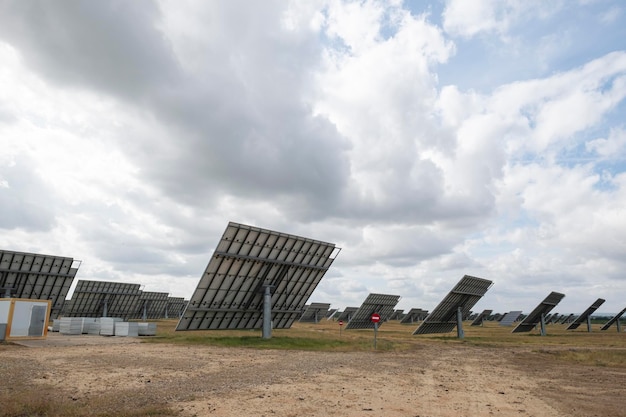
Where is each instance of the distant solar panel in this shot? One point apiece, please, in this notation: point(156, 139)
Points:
point(414, 315)
point(460, 300)
point(397, 315)
point(103, 299)
point(175, 307)
point(383, 304)
point(150, 305)
point(509, 318)
point(586, 314)
point(331, 312)
point(36, 276)
point(347, 313)
point(247, 261)
point(566, 319)
point(478, 321)
point(614, 320)
point(314, 312)
point(538, 314)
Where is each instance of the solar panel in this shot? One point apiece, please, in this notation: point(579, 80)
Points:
point(566, 319)
point(465, 294)
point(36, 276)
point(397, 315)
point(347, 313)
point(150, 305)
point(586, 314)
point(314, 312)
point(103, 299)
point(613, 320)
point(478, 321)
point(247, 261)
point(414, 315)
point(175, 307)
point(383, 304)
point(509, 318)
point(330, 313)
point(538, 314)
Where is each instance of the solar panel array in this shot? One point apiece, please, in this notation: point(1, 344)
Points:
point(478, 320)
point(314, 312)
point(509, 318)
point(464, 295)
point(175, 306)
point(150, 305)
point(347, 313)
point(36, 276)
point(383, 304)
point(414, 315)
point(103, 299)
point(583, 317)
point(247, 259)
point(534, 318)
point(397, 315)
point(613, 320)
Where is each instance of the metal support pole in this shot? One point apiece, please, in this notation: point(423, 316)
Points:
point(543, 324)
point(619, 326)
point(375, 333)
point(144, 316)
point(104, 309)
point(589, 323)
point(166, 315)
point(459, 323)
point(267, 313)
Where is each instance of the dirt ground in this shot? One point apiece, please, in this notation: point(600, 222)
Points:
point(438, 379)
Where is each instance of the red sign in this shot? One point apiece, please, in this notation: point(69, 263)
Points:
point(375, 318)
point(341, 322)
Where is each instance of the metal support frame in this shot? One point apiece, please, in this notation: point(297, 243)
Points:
point(267, 312)
point(619, 326)
point(589, 323)
point(459, 323)
point(543, 324)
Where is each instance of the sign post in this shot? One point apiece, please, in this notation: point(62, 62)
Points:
point(340, 326)
point(375, 319)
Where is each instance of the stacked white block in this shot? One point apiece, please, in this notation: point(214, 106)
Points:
point(93, 327)
point(71, 325)
point(129, 329)
point(147, 329)
point(107, 325)
point(88, 323)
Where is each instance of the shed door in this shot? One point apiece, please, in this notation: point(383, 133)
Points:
point(37, 320)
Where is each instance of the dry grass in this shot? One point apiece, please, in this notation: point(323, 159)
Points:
point(578, 348)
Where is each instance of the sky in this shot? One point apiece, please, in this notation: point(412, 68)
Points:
point(426, 139)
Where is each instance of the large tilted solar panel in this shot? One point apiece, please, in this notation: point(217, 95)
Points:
point(478, 320)
point(443, 319)
point(383, 304)
point(414, 315)
point(613, 320)
point(36, 276)
point(247, 259)
point(583, 317)
point(314, 312)
point(152, 303)
point(103, 299)
point(534, 318)
point(176, 306)
point(347, 313)
point(510, 318)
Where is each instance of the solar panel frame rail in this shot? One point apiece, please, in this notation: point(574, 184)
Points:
point(254, 269)
point(459, 301)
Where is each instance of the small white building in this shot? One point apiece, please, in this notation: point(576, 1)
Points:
point(22, 318)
